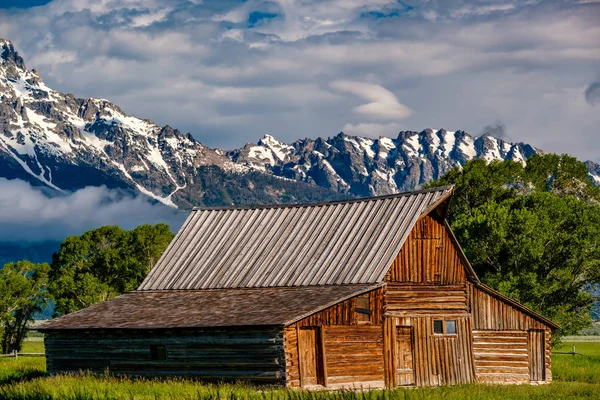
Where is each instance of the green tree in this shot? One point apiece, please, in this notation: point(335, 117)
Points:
point(22, 293)
point(104, 263)
point(533, 232)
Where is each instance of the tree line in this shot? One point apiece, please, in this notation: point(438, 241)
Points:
point(88, 269)
point(531, 232)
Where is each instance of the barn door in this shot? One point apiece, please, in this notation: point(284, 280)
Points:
point(405, 373)
point(537, 362)
point(311, 359)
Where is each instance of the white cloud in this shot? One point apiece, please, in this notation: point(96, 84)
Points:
point(204, 68)
point(383, 104)
point(29, 214)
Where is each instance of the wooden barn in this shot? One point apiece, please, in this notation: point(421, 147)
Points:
point(369, 292)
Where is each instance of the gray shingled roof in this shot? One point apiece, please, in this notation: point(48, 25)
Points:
point(335, 243)
point(207, 308)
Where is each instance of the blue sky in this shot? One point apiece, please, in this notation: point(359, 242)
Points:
point(230, 71)
point(22, 3)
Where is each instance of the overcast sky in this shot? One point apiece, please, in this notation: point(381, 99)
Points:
point(230, 71)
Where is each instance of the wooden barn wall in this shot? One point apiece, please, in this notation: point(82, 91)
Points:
point(254, 354)
point(428, 256)
point(344, 313)
point(408, 299)
point(292, 362)
point(493, 317)
point(427, 282)
point(342, 333)
point(492, 313)
point(353, 354)
point(501, 356)
point(438, 359)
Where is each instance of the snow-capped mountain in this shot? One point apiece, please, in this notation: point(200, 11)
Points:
point(65, 143)
point(362, 166)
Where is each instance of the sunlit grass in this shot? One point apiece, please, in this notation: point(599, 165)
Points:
point(575, 377)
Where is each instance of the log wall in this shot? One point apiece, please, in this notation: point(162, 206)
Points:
point(410, 299)
point(254, 355)
point(501, 356)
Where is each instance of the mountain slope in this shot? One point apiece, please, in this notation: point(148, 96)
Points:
point(57, 140)
point(65, 143)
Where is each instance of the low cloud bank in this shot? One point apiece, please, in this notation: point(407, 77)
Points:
point(30, 214)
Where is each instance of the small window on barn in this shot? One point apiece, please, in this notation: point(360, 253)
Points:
point(450, 327)
point(363, 309)
point(158, 352)
point(438, 327)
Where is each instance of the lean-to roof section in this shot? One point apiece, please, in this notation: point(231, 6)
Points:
point(342, 242)
point(176, 309)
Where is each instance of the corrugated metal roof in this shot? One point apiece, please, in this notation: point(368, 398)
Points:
point(207, 308)
point(341, 242)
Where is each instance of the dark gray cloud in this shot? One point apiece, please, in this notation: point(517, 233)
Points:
point(497, 129)
point(230, 71)
point(30, 214)
point(592, 93)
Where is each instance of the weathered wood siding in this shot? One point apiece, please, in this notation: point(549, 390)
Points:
point(427, 282)
point(352, 348)
point(438, 359)
point(292, 362)
point(409, 300)
point(492, 313)
point(501, 356)
point(344, 313)
point(428, 256)
point(354, 354)
point(506, 328)
point(251, 354)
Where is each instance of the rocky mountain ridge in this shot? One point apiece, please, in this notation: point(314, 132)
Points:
point(65, 143)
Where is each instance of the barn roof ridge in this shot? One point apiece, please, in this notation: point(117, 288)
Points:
point(324, 203)
point(354, 241)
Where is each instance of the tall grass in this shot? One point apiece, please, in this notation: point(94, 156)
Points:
point(575, 377)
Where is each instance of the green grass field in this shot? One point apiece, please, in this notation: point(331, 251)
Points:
point(575, 377)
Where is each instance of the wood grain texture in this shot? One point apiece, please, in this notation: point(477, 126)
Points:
point(344, 313)
point(428, 256)
point(492, 313)
point(292, 362)
point(411, 299)
point(354, 354)
point(501, 356)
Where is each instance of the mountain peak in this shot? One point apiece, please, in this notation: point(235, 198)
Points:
point(268, 139)
point(9, 56)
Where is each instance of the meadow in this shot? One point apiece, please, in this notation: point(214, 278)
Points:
point(574, 377)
